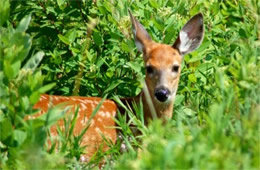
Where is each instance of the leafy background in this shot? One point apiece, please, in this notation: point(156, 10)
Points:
point(86, 48)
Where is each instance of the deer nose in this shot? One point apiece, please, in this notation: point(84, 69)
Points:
point(162, 94)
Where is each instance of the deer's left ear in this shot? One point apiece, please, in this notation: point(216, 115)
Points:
point(191, 35)
point(142, 37)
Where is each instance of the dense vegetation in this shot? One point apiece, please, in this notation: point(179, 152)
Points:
point(86, 48)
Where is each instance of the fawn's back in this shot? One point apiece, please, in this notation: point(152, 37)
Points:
point(102, 123)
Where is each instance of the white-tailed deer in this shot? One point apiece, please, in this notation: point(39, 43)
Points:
point(163, 67)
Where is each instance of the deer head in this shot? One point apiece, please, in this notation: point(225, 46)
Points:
point(163, 62)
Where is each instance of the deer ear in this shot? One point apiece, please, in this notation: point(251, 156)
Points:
point(140, 34)
point(191, 35)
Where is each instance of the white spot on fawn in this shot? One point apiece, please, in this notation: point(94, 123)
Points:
point(109, 101)
point(93, 106)
point(83, 106)
point(114, 113)
point(56, 98)
point(83, 158)
point(85, 138)
point(31, 117)
point(92, 123)
point(84, 121)
point(107, 114)
point(89, 101)
point(93, 137)
point(97, 130)
point(102, 114)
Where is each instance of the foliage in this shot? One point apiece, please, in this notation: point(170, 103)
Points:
point(60, 29)
point(21, 85)
point(86, 48)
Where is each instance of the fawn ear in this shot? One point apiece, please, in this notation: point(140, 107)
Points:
point(191, 35)
point(141, 35)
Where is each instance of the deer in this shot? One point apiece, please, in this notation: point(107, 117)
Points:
point(162, 64)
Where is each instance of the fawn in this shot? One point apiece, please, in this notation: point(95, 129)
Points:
point(163, 67)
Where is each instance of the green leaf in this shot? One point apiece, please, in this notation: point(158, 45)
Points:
point(34, 61)
point(64, 39)
point(158, 23)
point(245, 84)
point(192, 78)
point(135, 66)
point(75, 51)
point(71, 34)
point(97, 38)
point(154, 3)
point(46, 87)
point(4, 11)
point(125, 47)
point(215, 8)
point(16, 68)
point(19, 136)
point(195, 10)
point(8, 70)
point(169, 35)
point(189, 112)
point(6, 128)
point(24, 23)
point(113, 85)
point(116, 36)
point(34, 97)
point(61, 4)
point(242, 33)
point(178, 99)
point(195, 57)
point(107, 6)
point(205, 67)
point(11, 70)
point(110, 72)
point(22, 45)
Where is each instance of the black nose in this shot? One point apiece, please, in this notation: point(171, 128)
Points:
point(162, 94)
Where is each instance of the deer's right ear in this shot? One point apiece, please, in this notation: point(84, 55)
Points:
point(141, 35)
point(191, 35)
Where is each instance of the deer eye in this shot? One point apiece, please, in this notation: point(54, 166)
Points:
point(149, 70)
point(175, 68)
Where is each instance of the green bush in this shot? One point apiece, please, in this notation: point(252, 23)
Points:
point(21, 142)
point(86, 48)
